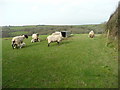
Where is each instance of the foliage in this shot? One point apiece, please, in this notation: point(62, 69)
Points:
point(112, 26)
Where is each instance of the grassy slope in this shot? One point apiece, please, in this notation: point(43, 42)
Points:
point(78, 62)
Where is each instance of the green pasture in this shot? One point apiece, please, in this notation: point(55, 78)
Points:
point(78, 62)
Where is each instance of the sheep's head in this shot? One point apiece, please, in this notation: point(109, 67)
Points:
point(37, 34)
point(25, 36)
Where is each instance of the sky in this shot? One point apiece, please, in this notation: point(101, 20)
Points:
point(55, 12)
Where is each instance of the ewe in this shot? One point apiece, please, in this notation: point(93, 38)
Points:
point(91, 34)
point(18, 41)
point(55, 37)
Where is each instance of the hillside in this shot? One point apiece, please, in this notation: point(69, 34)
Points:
point(112, 25)
point(10, 31)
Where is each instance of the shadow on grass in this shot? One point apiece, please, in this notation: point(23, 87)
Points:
point(66, 42)
point(32, 44)
point(55, 44)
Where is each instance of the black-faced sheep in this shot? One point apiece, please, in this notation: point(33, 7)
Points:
point(18, 41)
point(55, 37)
point(35, 38)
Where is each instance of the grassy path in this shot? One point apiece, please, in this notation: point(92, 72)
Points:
point(78, 62)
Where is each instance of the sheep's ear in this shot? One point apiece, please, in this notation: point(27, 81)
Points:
point(37, 33)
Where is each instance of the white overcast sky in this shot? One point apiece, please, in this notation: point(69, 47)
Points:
point(55, 12)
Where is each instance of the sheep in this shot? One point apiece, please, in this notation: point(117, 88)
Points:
point(55, 37)
point(23, 44)
point(35, 38)
point(91, 34)
point(18, 41)
point(56, 33)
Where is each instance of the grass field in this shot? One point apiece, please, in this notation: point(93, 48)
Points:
point(78, 62)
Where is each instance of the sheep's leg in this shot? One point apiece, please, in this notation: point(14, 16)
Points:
point(38, 40)
point(58, 43)
point(16, 46)
point(20, 46)
point(48, 44)
point(32, 40)
point(13, 46)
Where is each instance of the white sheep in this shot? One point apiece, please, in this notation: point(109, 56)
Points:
point(91, 34)
point(56, 33)
point(35, 38)
point(23, 44)
point(18, 41)
point(54, 38)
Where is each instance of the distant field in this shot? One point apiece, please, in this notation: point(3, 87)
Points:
point(78, 62)
point(18, 33)
point(10, 31)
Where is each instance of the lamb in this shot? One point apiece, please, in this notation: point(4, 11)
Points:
point(18, 41)
point(54, 38)
point(91, 34)
point(23, 44)
point(35, 38)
